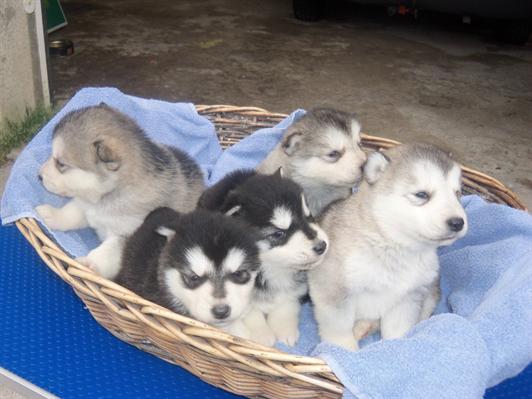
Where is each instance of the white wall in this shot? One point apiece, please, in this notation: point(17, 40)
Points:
point(23, 67)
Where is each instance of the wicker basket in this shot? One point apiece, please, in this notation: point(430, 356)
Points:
point(231, 363)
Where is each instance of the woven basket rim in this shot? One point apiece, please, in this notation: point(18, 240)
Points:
point(273, 362)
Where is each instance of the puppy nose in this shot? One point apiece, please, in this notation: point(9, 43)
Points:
point(221, 311)
point(455, 224)
point(40, 177)
point(320, 247)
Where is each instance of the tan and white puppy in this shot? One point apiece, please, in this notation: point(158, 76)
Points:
point(382, 266)
point(115, 176)
point(321, 152)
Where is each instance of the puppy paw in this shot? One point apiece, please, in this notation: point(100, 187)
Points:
point(347, 342)
point(264, 337)
point(238, 329)
point(48, 215)
point(286, 331)
point(85, 261)
point(363, 328)
point(288, 338)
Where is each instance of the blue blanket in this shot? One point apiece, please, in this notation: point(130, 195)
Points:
point(480, 335)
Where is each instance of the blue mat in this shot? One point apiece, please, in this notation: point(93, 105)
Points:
point(51, 340)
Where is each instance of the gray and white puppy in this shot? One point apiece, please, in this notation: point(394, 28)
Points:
point(200, 264)
point(382, 267)
point(115, 176)
point(321, 152)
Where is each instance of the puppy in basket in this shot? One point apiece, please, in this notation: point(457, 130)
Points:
point(201, 264)
point(382, 267)
point(322, 153)
point(115, 176)
point(290, 243)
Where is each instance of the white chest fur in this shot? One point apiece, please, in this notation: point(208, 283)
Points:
point(282, 284)
point(378, 278)
point(110, 219)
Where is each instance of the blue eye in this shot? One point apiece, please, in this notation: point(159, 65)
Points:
point(422, 195)
point(278, 235)
point(334, 155)
point(240, 276)
point(192, 280)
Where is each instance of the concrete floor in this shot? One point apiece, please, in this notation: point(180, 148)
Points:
point(428, 80)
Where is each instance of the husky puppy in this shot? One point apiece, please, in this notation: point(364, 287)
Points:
point(115, 176)
point(290, 243)
point(382, 267)
point(201, 264)
point(321, 152)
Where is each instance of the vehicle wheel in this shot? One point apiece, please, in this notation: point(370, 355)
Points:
point(515, 32)
point(307, 10)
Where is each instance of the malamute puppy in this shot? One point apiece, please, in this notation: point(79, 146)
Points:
point(201, 264)
point(322, 153)
point(115, 176)
point(382, 265)
point(290, 243)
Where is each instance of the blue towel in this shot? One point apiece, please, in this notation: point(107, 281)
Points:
point(480, 335)
point(168, 123)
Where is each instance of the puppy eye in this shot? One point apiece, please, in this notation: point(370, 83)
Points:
point(60, 165)
point(192, 280)
point(278, 235)
point(240, 276)
point(334, 155)
point(422, 195)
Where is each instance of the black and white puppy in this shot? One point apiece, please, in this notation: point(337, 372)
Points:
point(290, 244)
point(201, 264)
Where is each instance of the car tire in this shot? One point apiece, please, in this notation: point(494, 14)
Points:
point(307, 10)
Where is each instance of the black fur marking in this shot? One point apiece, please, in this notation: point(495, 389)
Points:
point(190, 168)
point(147, 254)
point(261, 283)
point(259, 195)
point(215, 196)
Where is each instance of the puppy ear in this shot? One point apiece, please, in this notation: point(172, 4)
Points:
point(164, 231)
point(107, 156)
point(291, 142)
point(234, 210)
point(375, 166)
point(163, 221)
point(231, 205)
point(279, 172)
point(355, 128)
point(304, 205)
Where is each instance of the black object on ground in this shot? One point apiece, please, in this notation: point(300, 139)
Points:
point(61, 48)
